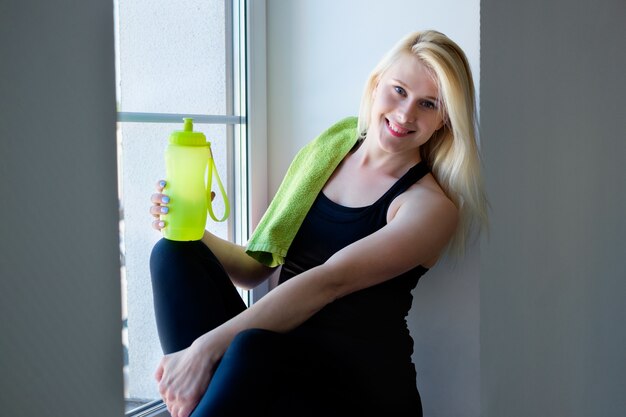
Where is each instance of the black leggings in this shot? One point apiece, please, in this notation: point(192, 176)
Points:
point(262, 373)
point(258, 375)
point(192, 292)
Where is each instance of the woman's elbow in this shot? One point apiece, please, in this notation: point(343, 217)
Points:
point(252, 277)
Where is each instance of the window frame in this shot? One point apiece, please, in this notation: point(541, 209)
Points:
point(246, 134)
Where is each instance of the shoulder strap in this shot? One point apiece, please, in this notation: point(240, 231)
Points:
point(414, 174)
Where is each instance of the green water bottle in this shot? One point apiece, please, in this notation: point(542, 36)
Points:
point(189, 170)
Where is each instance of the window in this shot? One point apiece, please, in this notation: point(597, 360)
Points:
point(173, 60)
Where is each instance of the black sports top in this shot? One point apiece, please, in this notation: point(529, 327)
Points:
point(373, 314)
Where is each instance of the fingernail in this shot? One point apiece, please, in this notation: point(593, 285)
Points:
point(165, 209)
point(165, 199)
point(162, 183)
point(161, 224)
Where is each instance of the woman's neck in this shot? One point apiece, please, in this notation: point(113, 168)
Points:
point(370, 156)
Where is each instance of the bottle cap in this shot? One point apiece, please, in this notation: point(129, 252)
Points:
point(188, 137)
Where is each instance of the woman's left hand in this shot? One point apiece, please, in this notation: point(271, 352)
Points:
point(183, 377)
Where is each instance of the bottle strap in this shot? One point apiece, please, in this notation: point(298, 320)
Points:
point(213, 169)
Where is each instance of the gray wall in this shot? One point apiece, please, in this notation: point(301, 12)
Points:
point(60, 329)
point(553, 273)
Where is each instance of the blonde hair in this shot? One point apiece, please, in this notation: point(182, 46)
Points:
point(452, 152)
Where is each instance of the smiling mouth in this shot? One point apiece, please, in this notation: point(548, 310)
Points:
point(396, 130)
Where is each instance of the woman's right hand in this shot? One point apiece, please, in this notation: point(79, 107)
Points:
point(160, 203)
point(159, 206)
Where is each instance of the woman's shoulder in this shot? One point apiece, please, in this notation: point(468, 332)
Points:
point(426, 199)
point(425, 217)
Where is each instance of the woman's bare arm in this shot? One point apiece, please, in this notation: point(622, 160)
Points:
point(245, 271)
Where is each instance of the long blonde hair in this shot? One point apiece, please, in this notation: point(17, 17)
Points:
point(452, 152)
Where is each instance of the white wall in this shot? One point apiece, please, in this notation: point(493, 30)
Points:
point(320, 53)
point(60, 314)
point(553, 273)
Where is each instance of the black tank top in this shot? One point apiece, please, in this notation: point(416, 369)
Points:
point(376, 313)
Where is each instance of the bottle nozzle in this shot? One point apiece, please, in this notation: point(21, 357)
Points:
point(187, 137)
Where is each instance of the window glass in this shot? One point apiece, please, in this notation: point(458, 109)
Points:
point(141, 165)
point(172, 58)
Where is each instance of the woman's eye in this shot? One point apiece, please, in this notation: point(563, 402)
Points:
point(429, 104)
point(400, 90)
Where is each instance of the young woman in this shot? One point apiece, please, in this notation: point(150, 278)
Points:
point(331, 338)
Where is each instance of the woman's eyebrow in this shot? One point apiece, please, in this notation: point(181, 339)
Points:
point(406, 87)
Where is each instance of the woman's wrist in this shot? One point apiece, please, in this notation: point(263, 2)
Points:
point(214, 343)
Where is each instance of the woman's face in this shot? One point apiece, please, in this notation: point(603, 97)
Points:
point(405, 109)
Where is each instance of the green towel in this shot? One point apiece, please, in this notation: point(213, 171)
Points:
point(305, 178)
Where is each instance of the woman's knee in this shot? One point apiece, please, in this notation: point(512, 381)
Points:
point(166, 250)
point(169, 258)
point(165, 257)
point(255, 342)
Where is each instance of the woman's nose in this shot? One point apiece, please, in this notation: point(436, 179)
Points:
point(406, 113)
